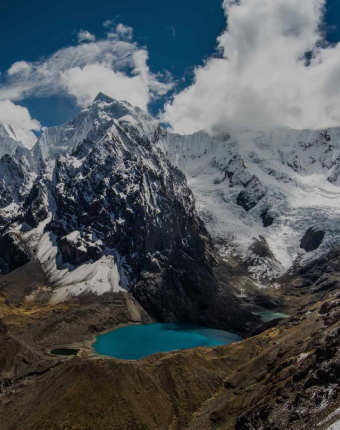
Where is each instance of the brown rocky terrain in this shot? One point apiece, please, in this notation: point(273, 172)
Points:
point(284, 377)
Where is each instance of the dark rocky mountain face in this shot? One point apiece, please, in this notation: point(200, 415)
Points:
point(15, 181)
point(267, 218)
point(12, 253)
point(128, 201)
point(115, 214)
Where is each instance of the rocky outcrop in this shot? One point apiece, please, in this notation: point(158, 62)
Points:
point(234, 170)
point(36, 205)
point(78, 252)
point(312, 239)
point(267, 218)
point(322, 275)
point(14, 181)
point(252, 194)
point(13, 252)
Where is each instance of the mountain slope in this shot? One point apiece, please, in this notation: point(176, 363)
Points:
point(100, 206)
point(286, 377)
point(95, 216)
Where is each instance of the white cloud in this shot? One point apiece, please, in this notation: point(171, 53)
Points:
point(141, 68)
point(18, 116)
point(86, 82)
point(262, 77)
point(115, 65)
point(124, 31)
point(109, 23)
point(85, 36)
point(20, 67)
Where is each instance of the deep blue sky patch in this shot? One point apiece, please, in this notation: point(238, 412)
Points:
point(179, 35)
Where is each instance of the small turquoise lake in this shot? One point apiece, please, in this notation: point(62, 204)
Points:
point(137, 341)
point(270, 315)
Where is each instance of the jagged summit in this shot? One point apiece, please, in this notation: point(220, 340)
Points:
point(91, 124)
point(12, 138)
point(103, 98)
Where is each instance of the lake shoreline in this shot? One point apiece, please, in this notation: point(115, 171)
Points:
point(149, 339)
point(85, 348)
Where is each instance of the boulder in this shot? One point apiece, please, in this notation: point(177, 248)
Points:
point(267, 219)
point(312, 239)
point(252, 194)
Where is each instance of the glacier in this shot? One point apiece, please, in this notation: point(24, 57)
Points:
point(299, 173)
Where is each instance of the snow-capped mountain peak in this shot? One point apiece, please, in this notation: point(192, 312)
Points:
point(12, 138)
point(91, 124)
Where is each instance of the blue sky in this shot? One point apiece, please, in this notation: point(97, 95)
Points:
point(178, 35)
point(333, 20)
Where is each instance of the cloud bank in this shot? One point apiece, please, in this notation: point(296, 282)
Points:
point(18, 116)
point(116, 66)
point(274, 69)
point(20, 67)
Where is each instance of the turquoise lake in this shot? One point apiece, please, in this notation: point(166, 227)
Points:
point(137, 341)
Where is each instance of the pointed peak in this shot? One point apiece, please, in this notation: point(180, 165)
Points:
point(101, 97)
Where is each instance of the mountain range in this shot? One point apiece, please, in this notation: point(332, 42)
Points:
point(261, 195)
point(112, 218)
